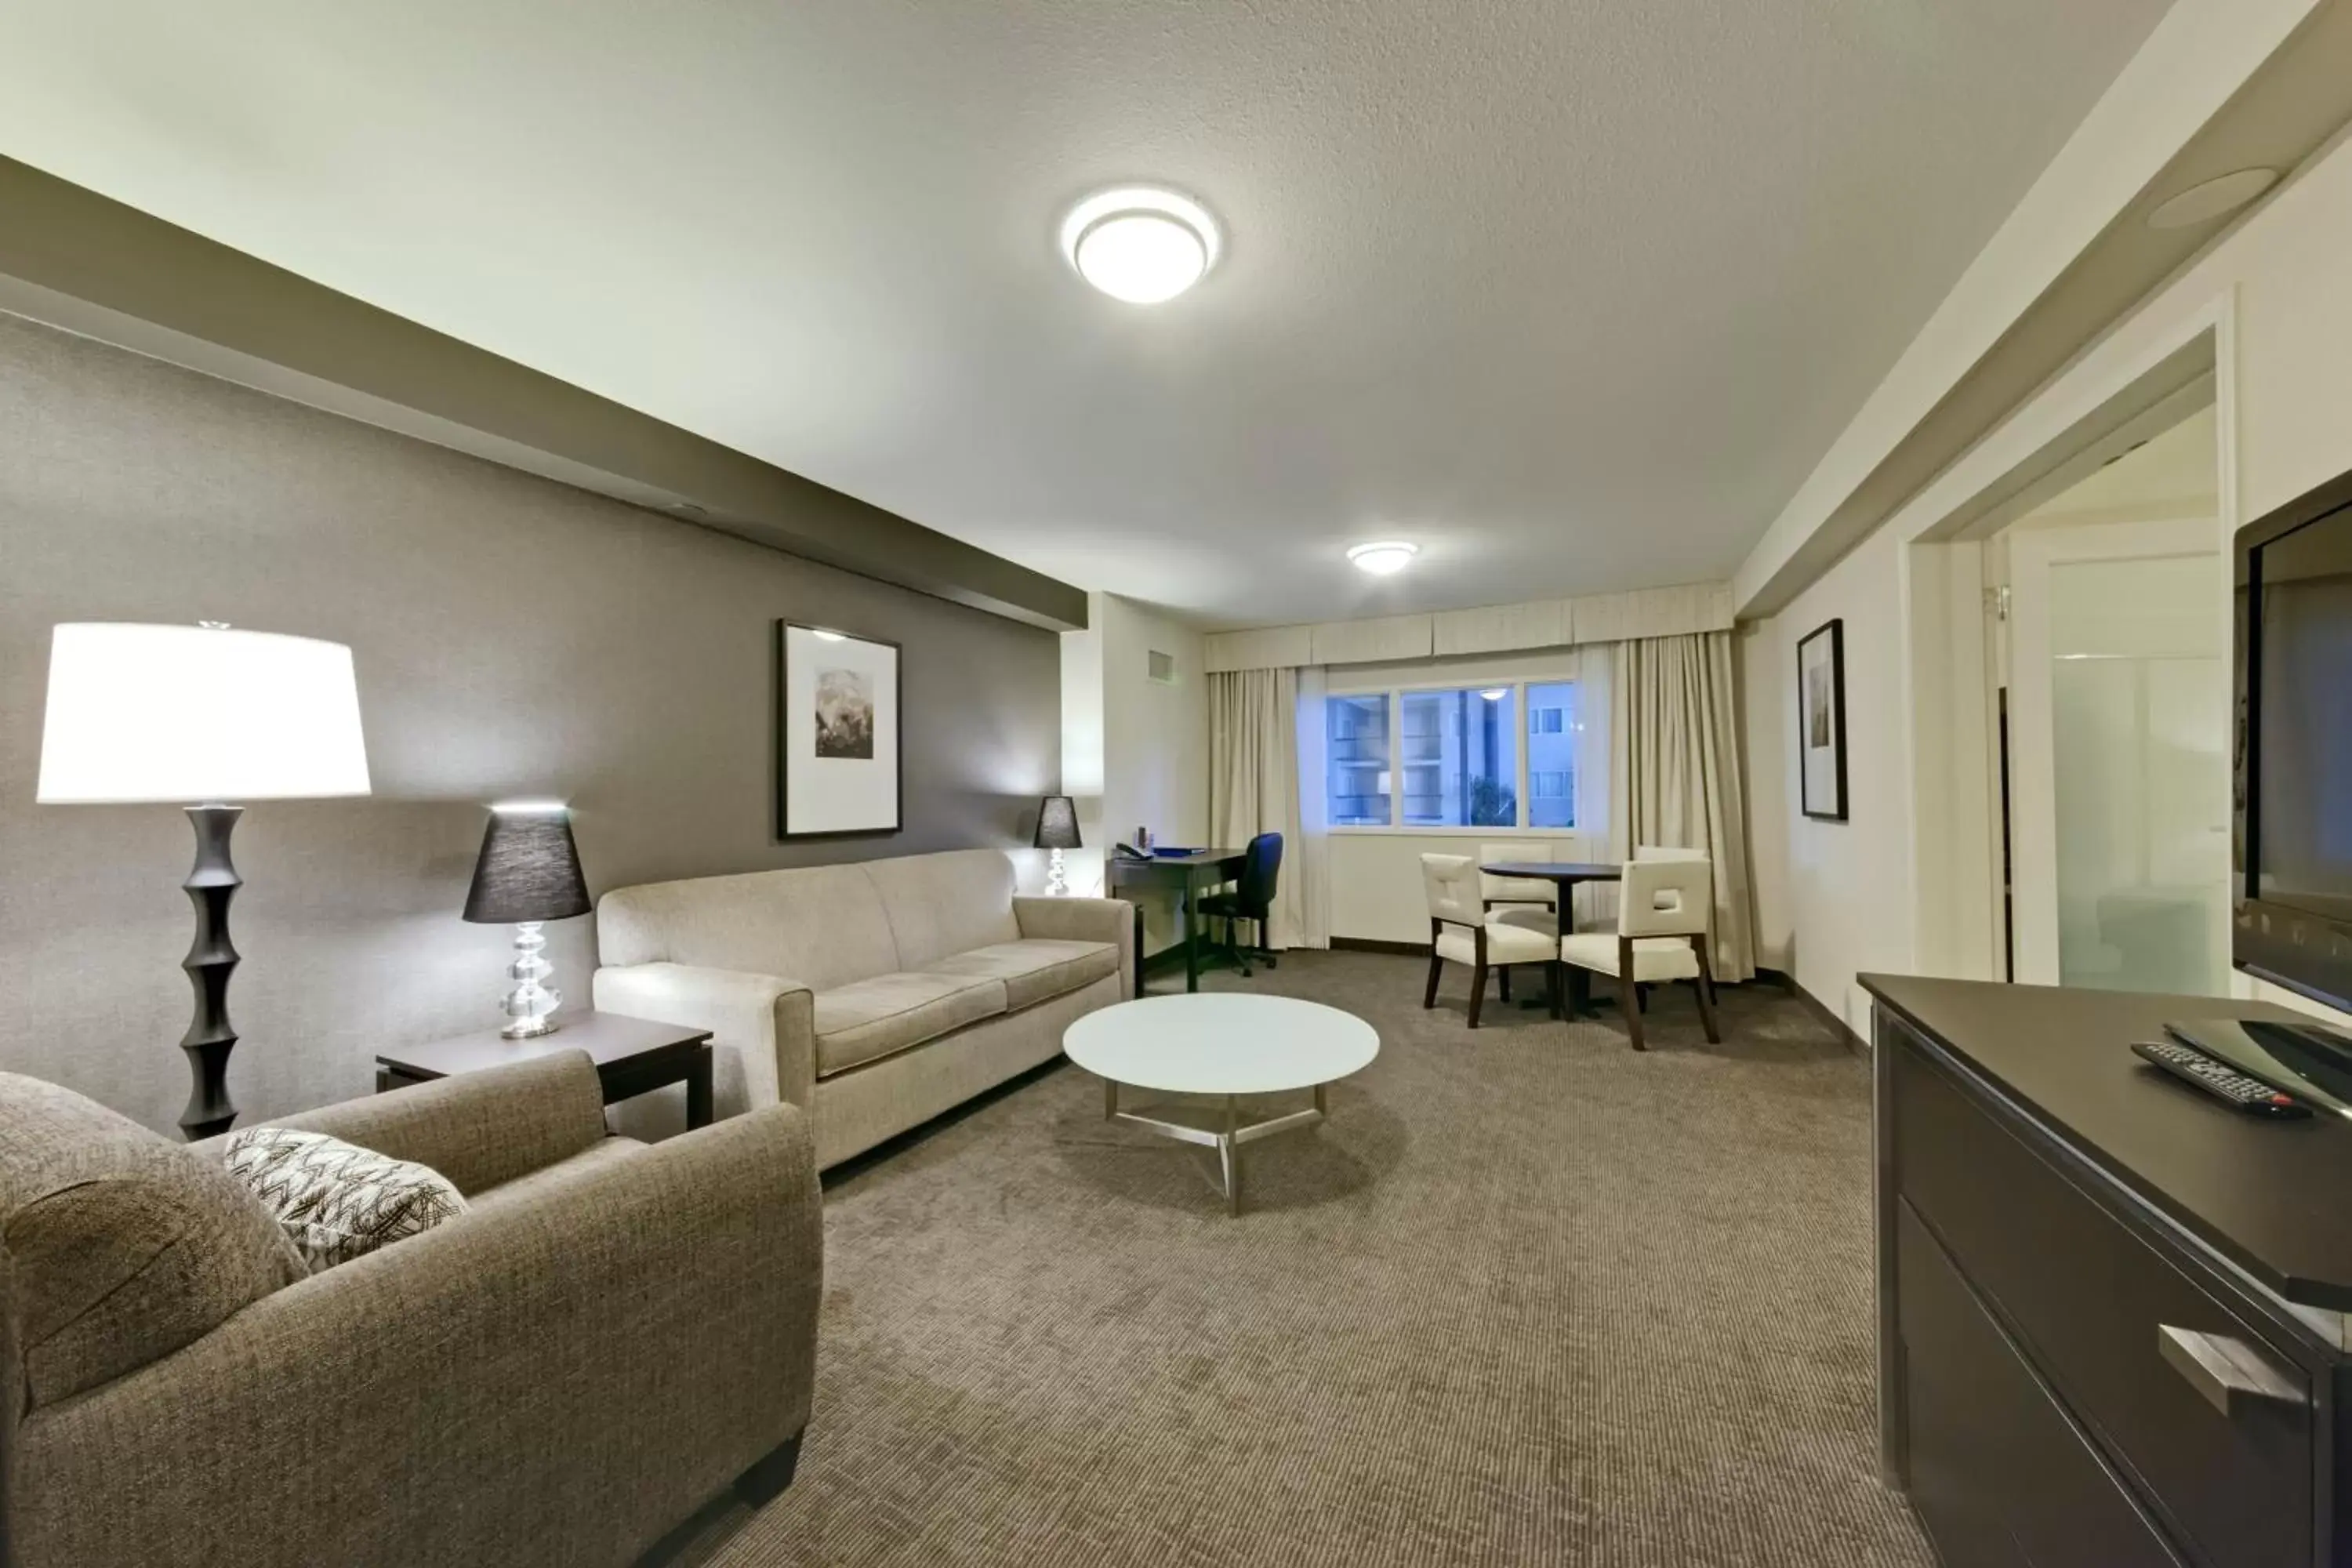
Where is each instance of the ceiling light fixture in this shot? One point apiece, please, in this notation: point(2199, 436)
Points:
point(1384, 557)
point(2214, 198)
point(1140, 244)
point(1494, 694)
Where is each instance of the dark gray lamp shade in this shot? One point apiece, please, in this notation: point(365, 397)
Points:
point(529, 871)
point(1058, 822)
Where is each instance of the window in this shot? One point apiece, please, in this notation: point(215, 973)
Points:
point(1452, 758)
point(1552, 735)
point(1460, 769)
point(1359, 770)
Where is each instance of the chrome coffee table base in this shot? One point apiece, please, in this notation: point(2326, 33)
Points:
point(1226, 1140)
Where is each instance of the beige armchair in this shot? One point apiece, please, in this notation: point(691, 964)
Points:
point(610, 1336)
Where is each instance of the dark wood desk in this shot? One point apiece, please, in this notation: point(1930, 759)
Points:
point(632, 1056)
point(1187, 873)
point(2109, 1307)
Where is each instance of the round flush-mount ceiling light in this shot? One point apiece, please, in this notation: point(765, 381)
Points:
point(2214, 198)
point(1384, 557)
point(1139, 243)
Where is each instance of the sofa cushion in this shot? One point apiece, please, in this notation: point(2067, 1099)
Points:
point(943, 904)
point(821, 925)
point(1035, 968)
point(868, 1019)
point(337, 1200)
point(126, 1246)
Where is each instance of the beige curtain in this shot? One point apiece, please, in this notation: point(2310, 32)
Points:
point(1254, 779)
point(1674, 754)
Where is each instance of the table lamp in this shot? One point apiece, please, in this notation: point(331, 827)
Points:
point(529, 873)
point(200, 714)
point(1057, 829)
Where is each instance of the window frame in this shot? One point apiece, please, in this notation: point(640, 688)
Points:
point(1395, 692)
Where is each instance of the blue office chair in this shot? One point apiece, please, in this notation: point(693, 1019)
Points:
point(1251, 899)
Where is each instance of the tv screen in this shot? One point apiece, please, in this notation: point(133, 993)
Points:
point(2294, 637)
point(2306, 719)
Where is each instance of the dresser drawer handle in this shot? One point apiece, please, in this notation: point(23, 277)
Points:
point(2227, 1373)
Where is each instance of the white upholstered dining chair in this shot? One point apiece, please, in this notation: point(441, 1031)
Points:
point(1663, 909)
point(1524, 901)
point(1460, 931)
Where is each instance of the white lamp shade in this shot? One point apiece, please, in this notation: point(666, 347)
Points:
point(197, 714)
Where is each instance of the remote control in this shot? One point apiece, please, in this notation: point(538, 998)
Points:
point(2221, 1081)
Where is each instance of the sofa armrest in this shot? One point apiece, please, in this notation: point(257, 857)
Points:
point(1083, 919)
point(560, 1378)
point(762, 1027)
point(12, 1402)
point(480, 1130)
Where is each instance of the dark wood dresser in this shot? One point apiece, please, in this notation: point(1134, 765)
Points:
point(2111, 1309)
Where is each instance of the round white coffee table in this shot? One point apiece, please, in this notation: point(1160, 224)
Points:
point(1221, 1043)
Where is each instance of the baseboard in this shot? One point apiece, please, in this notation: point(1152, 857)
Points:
point(1377, 944)
point(1823, 1013)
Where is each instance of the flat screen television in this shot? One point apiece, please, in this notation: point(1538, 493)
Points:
point(2292, 836)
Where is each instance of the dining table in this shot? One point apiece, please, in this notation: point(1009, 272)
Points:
point(1565, 876)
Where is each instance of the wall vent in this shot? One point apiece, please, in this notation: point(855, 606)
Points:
point(1161, 668)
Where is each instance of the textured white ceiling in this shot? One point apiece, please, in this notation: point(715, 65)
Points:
point(1572, 291)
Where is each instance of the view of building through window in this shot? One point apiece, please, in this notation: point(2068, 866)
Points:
point(1358, 769)
point(1450, 758)
point(1461, 767)
point(1553, 731)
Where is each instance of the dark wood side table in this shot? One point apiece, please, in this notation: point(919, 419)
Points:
point(632, 1055)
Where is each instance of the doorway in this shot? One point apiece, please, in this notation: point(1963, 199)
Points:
point(2110, 648)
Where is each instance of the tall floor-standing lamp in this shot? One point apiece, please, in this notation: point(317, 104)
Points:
point(1057, 829)
point(200, 714)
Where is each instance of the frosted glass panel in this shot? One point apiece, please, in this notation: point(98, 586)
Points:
point(2141, 727)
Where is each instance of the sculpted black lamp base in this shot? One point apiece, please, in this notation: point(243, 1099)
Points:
point(212, 959)
point(152, 714)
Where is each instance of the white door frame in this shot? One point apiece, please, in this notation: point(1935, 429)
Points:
point(2032, 765)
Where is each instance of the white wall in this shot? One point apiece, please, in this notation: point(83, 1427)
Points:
point(1836, 900)
point(1155, 740)
point(2280, 291)
point(1767, 683)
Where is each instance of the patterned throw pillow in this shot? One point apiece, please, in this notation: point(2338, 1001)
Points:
point(337, 1200)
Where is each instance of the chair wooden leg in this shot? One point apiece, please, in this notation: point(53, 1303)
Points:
point(1629, 994)
point(1505, 973)
point(1705, 985)
point(1551, 987)
point(1478, 989)
point(1429, 993)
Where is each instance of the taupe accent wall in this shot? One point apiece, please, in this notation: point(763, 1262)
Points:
point(513, 637)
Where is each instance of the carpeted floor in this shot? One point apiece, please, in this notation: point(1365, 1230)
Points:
point(1528, 1297)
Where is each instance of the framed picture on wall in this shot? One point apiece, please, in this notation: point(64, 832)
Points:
point(1821, 722)
point(837, 763)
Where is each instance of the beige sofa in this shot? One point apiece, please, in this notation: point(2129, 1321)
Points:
point(609, 1336)
point(874, 995)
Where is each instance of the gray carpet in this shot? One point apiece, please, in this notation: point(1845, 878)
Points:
point(1528, 1297)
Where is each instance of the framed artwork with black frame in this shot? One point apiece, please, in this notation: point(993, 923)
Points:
point(837, 755)
point(1821, 722)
